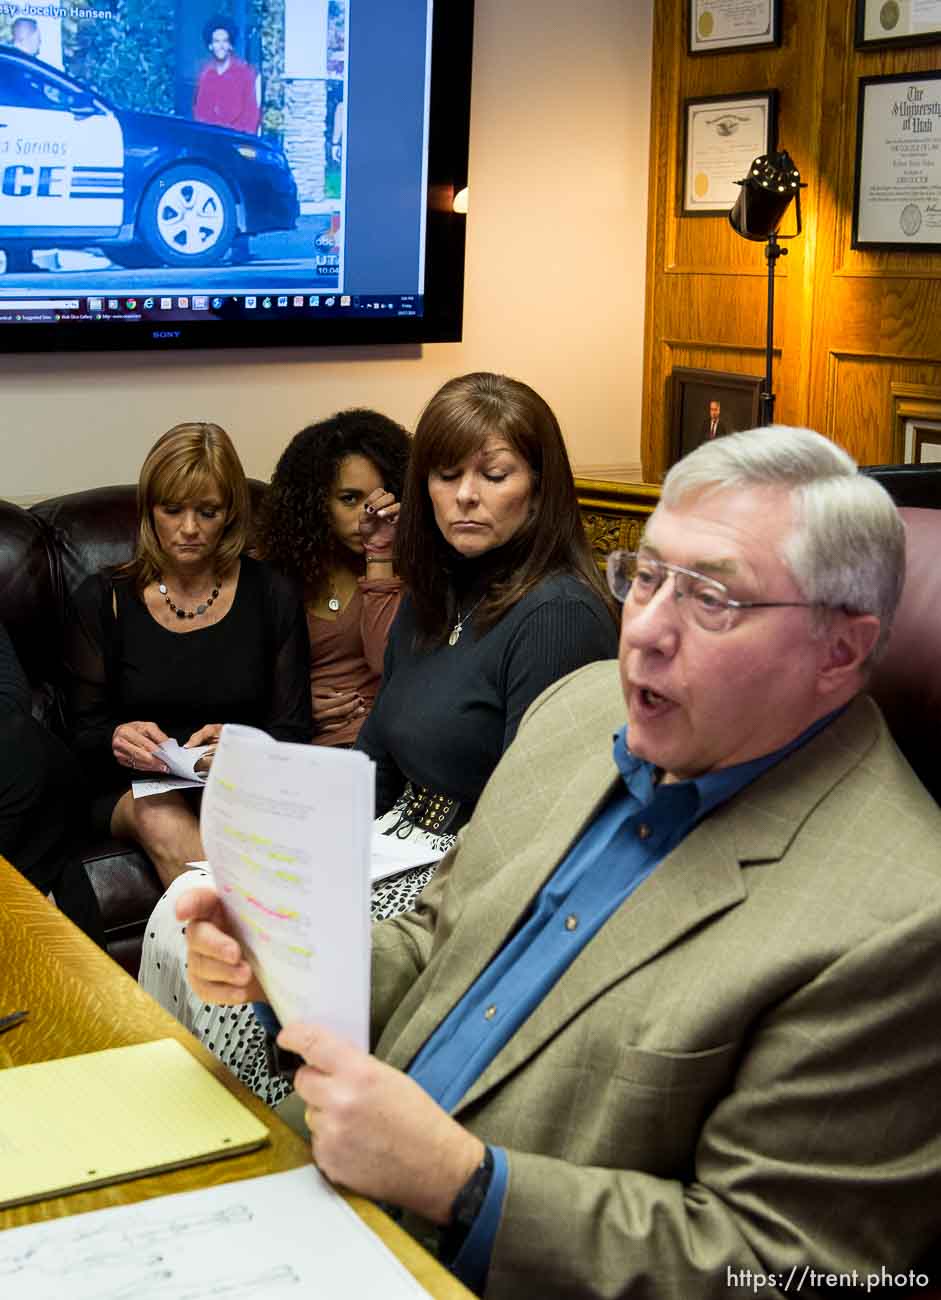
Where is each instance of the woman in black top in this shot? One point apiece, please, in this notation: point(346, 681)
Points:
point(503, 599)
point(187, 636)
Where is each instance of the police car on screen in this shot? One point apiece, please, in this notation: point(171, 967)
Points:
point(77, 172)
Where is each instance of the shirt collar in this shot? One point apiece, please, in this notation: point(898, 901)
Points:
point(713, 788)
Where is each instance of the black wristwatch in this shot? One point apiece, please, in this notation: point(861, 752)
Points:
point(466, 1207)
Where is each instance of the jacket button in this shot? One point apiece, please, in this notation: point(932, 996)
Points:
point(490, 1013)
point(571, 922)
point(643, 831)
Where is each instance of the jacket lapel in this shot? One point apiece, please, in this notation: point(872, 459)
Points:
point(495, 906)
point(699, 880)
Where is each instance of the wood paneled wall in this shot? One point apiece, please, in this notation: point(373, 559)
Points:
point(857, 334)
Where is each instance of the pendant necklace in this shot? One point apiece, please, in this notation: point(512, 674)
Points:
point(189, 613)
point(458, 627)
point(333, 596)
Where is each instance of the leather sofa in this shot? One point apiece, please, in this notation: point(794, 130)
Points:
point(46, 551)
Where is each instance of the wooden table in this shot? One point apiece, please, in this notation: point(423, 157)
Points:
point(79, 1000)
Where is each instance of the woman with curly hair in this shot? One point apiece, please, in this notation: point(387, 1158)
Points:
point(328, 521)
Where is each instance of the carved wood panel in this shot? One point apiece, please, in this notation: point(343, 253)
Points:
point(613, 514)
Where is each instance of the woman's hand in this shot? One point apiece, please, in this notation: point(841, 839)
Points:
point(208, 735)
point(133, 745)
point(215, 966)
point(377, 525)
point(334, 709)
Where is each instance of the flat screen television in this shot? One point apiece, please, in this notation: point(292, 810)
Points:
point(232, 173)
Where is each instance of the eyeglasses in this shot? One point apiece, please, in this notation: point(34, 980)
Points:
point(705, 600)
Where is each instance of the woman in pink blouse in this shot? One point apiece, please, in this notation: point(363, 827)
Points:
point(328, 520)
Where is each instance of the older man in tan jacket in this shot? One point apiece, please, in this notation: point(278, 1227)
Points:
point(665, 1024)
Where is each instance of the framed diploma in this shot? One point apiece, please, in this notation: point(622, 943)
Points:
point(897, 22)
point(897, 197)
point(724, 134)
point(733, 24)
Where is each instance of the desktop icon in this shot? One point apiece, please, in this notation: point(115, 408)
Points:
point(298, 300)
point(183, 302)
point(283, 300)
point(251, 300)
point(313, 300)
point(148, 304)
point(345, 300)
point(94, 304)
point(266, 302)
point(130, 304)
point(200, 303)
point(112, 304)
point(216, 304)
point(166, 304)
point(328, 302)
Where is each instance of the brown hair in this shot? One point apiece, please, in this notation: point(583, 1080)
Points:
point(184, 464)
point(455, 424)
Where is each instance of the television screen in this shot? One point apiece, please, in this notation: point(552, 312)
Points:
point(231, 172)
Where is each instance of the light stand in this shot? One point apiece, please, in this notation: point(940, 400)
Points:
point(766, 193)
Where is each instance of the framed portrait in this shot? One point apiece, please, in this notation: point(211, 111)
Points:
point(897, 190)
point(897, 22)
point(709, 404)
point(723, 136)
point(733, 25)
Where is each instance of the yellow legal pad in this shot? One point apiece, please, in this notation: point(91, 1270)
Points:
point(106, 1116)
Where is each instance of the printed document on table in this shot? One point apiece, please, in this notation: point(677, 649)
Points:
point(283, 1236)
point(287, 831)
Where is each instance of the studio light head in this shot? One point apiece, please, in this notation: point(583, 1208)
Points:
point(773, 181)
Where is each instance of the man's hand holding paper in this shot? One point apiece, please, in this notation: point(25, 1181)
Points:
point(216, 965)
point(375, 1130)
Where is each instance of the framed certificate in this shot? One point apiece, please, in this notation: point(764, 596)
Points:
point(733, 24)
point(724, 135)
point(897, 195)
point(897, 22)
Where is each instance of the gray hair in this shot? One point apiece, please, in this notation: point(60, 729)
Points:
point(847, 547)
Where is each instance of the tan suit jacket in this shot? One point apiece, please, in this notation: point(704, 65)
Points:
point(742, 1069)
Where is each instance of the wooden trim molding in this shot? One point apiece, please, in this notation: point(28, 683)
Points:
point(614, 514)
point(911, 402)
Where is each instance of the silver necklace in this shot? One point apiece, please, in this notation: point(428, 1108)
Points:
point(458, 627)
point(334, 602)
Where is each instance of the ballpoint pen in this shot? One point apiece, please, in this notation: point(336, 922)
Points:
point(12, 1020)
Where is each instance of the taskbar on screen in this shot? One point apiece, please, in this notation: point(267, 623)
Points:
point(200, 307)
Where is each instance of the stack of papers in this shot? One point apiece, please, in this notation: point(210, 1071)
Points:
point(182, 764)
point(288, 831)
